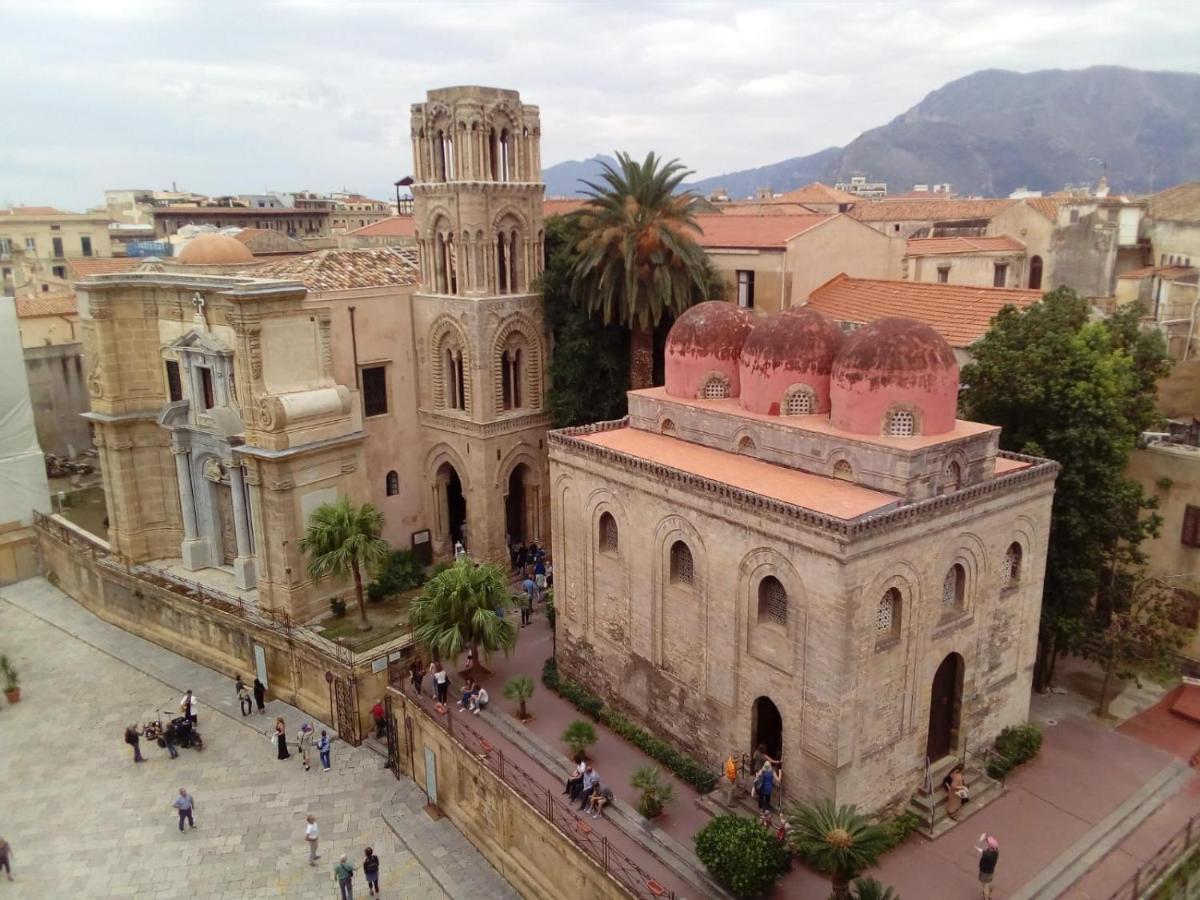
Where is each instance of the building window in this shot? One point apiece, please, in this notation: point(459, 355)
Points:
point(843, 471)
point(608, 533)
point(954, 588)
point(1190, 535)
point(999, 274)
point(511, 361)
point(943, 274)
point(206, 384)
point(772, 601)
point(799, 402)
point(5, 247)
point(681, 564)
point(1074, 216)
point(85, 245)
point(59, 271)
point(746, 445)
point(393, 483)
point(1035, 273)
point(667, 427)
point(174, 385)
point(58, 247)
point(31, 246)
point(901, 423)
point(745, 288)
point(1010, 572)
point(887, 618)
point(953, 476)
point(374, 388)
point(715, 388)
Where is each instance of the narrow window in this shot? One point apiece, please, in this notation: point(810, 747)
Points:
point(6, 247)
point(1074, 216)
point(943, 274)
point(772, 601)
point(681, 564)
point(887, 618)
point(608, 533)
point(501, 264)
point(667, 427)
point(843, 471)
point(954, 587)
point(999, 274)
point(901, 423)
point(31, 246)
point(1035, 273)
point(1190, 535)
point(58, 247)
point(505, 154)
point(1010, 572)
point(953, 479)
point(798, 403)
point(59, 271)
point(85, 245)
point(374, 388)
point(746, 445)
point(393, 483)
point(206, 383)
point(745, 287)
point(715, 388)
point(174, 385)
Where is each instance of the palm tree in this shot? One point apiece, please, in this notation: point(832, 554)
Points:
point(463, 607)
point(870, 889)
point(837, 840)
point(344, 539)
point(638, 256)
point(519, 688)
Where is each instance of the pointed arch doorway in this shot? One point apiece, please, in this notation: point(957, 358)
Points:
point(766, 727)
point(453, 502)
point(945, 708)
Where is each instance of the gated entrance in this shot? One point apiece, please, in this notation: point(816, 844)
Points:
point(344, 700)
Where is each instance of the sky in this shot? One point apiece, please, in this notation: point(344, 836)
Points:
point(244, 96)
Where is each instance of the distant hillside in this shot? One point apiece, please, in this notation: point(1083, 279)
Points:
point(994, 131)
point(563, 179)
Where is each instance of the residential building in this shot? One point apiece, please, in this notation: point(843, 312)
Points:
point(1169, 295)
point(976, 261)
point(860, 187)
point(816, 197)
point(299, 222)
point(1096, 238)
point(40, 238)
point(353, 211)
point(394, 231)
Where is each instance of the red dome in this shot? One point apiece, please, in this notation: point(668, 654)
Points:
point(794, 349)
point(894, 365)
point(705, 341)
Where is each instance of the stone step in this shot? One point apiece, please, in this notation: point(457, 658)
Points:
point(971, 776)
point(980, 797)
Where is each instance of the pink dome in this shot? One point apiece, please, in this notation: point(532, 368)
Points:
point(794, 348)
point(706, 340)
point(894, 365)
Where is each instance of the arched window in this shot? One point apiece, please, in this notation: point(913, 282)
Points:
point(393, 483)
point(681, 564)
point(667, 427)
point(746, 444)
point(440, 278)
point(799, 402)
point(715, 387)
point(953, 476)
point(505, 155)
point(843, 471)
point(901, 423)
point(772, 601)
point(608, 533)
point(1035, 273)
point(503, 263)
point(1010, 572)
point(512, 377)
point(954, 588)
point(887, 619)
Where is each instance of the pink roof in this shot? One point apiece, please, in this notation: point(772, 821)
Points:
point(753, 231)
point(394, 226)
point(948, 246)
point(561, 206)
point(816, 492)
point(815, 192)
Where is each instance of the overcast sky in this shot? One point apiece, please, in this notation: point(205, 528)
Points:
point(241, 97)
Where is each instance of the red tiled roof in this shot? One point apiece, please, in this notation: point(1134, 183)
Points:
point(343, 270)
point(949, 246)
point(1047, 206)
point(47, 305)
point(1168, 272)
point(815, 192)
point(561, 206)
point(82, 268)
point(923, 195)
point(393, 226)
point(767, 209)
point(1181, 202)
point(927, 210)
point(960, 314)
point(753, 231)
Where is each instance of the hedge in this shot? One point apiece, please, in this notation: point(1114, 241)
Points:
point(1014, 745)
point(589, 704)
point(742, 855)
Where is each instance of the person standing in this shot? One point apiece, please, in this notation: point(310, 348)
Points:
point(260, 695)
point(311, 835)
point(6, 856)
point(442, 680)
point(989, 854)
point(305, 741)
point(133, 737)
point(185, 803)
point(243, 695)
point(323, 750)
point(343, 873)
point(764, 785)
point(370, 868)
point(281, 739)
point(731, 776)
point(380, 716)
point(418, 673)
point(168, 740)
point(187, 706)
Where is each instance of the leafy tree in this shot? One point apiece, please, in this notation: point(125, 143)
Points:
point(837, 840)
point(741, 854)
point(656, 793)
point(579, 735)
point(458, 609)
point(1078, 391)
point(870, 889)
point(519, 688)
point(343, 539)
point(638, 258)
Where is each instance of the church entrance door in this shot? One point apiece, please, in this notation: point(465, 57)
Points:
point(516, 518)
point(945, 706)
point(455, 509)
point(767, 727)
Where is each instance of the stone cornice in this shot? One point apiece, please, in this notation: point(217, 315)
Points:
point(262, 453)
point(497, 188)
point(867, 525)
point(445, 422)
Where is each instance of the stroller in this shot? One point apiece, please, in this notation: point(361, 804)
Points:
point(179, 729)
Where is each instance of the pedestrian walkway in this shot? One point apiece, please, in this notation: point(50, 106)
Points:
point(84, 821)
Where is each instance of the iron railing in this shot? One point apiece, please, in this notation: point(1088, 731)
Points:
point(1153, 869)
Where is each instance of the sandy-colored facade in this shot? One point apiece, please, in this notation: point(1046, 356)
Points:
point(976, 262)
point(39, 240)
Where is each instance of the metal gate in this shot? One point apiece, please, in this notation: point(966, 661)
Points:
point(393, 736)
point(345, 710)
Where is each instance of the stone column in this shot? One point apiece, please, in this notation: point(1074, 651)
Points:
point(243, 565)
point(193, 551)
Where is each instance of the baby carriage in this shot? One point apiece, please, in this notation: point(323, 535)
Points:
point(184, 734)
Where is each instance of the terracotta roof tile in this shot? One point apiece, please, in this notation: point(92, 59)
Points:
point(561, 206)
point(949, 246)
point(393, 226)
point(927, 210)
point(961, 314)
point(815, 192)
point(1181, 202)
point(82, 268)
point(767, 209)
point(753, 231)
point(59, 304)
point(1047, 206)
point(343, 270)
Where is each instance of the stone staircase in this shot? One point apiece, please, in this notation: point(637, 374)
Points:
point(931, 805)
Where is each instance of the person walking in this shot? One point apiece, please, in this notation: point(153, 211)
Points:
point(168, 741)
point(323, 750)
point(185, 803)
point(343, 873)
point(442, 680)
point(133, 737)
point(731, 777)
point(187, 706)
point(280, 739)
point(989, 854)
point(260, 695)
point(243, 695)
point(380, 716)
point(370, 867)
point(6, 856)
point(417, 674)
point(305, 741)
point(311, 835)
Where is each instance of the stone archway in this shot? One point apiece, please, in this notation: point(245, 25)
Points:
point(945, 708)
point(453, 505)
point(766, 727)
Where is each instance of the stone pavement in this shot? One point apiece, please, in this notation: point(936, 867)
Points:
point(84, 821)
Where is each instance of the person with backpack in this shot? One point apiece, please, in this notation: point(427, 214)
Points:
point(764, 785)
point(370, 867)
point(323, 750)
point(343, 874)
point(133, 736)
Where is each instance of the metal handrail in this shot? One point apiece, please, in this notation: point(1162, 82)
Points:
point(1157, 866)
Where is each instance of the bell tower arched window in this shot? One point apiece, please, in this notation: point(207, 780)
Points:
point(512, 377)
point(887, 617)
point(1010, 571)
point(772, 601)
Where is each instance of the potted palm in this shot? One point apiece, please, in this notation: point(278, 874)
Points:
point(656, 793)
point(12, 680)
point(520, 688)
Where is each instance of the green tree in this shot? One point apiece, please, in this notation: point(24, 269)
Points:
point(519, 688)
point(458, 610)
point(579, 735)
point(343, 539)
point(870, 889)
point(638, 258)
point(837, 840)
point(741, 854)
point(655, 791)
point(1079, 391)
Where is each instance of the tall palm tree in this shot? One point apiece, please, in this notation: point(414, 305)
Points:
point(638, 257)
point(343, 539)
point(458, 609)
point(837, 840)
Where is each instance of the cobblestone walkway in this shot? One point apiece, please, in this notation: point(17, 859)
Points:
point(85, 822)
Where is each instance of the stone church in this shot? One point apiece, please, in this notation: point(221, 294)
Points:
point(232, 395)
point(796, 543)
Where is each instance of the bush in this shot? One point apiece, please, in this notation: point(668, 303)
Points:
point(1014, 745)
point(400, 573)
point(741, 855)
point(579, 735)
point(898, 829)
point(337, 606)
point(656, 793)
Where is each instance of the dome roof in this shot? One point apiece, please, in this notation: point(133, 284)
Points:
point(214, 249)
point(706, 340)
point(793, 349)
point(894, 364)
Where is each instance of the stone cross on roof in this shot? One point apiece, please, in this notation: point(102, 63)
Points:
point(199, 320)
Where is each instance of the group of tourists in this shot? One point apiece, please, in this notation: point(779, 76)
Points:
point(304, 744)
point(585, 787)
point(343, 872)
point(474, 697)
point(243, 695)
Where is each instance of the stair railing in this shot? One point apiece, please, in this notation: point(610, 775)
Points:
point(929, 792)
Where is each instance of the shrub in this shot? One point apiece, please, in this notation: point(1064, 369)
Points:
point(898, 829)
point(519, 688)
point(656, 793)
point(337, 606)
point(1014, 745)
point(741, 855)
point(579, 735)
point(401, 572)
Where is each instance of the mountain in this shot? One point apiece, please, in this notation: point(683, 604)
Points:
point(994, 131)
point(562, 179)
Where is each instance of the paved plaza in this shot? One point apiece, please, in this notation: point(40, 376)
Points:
point(86, 822)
